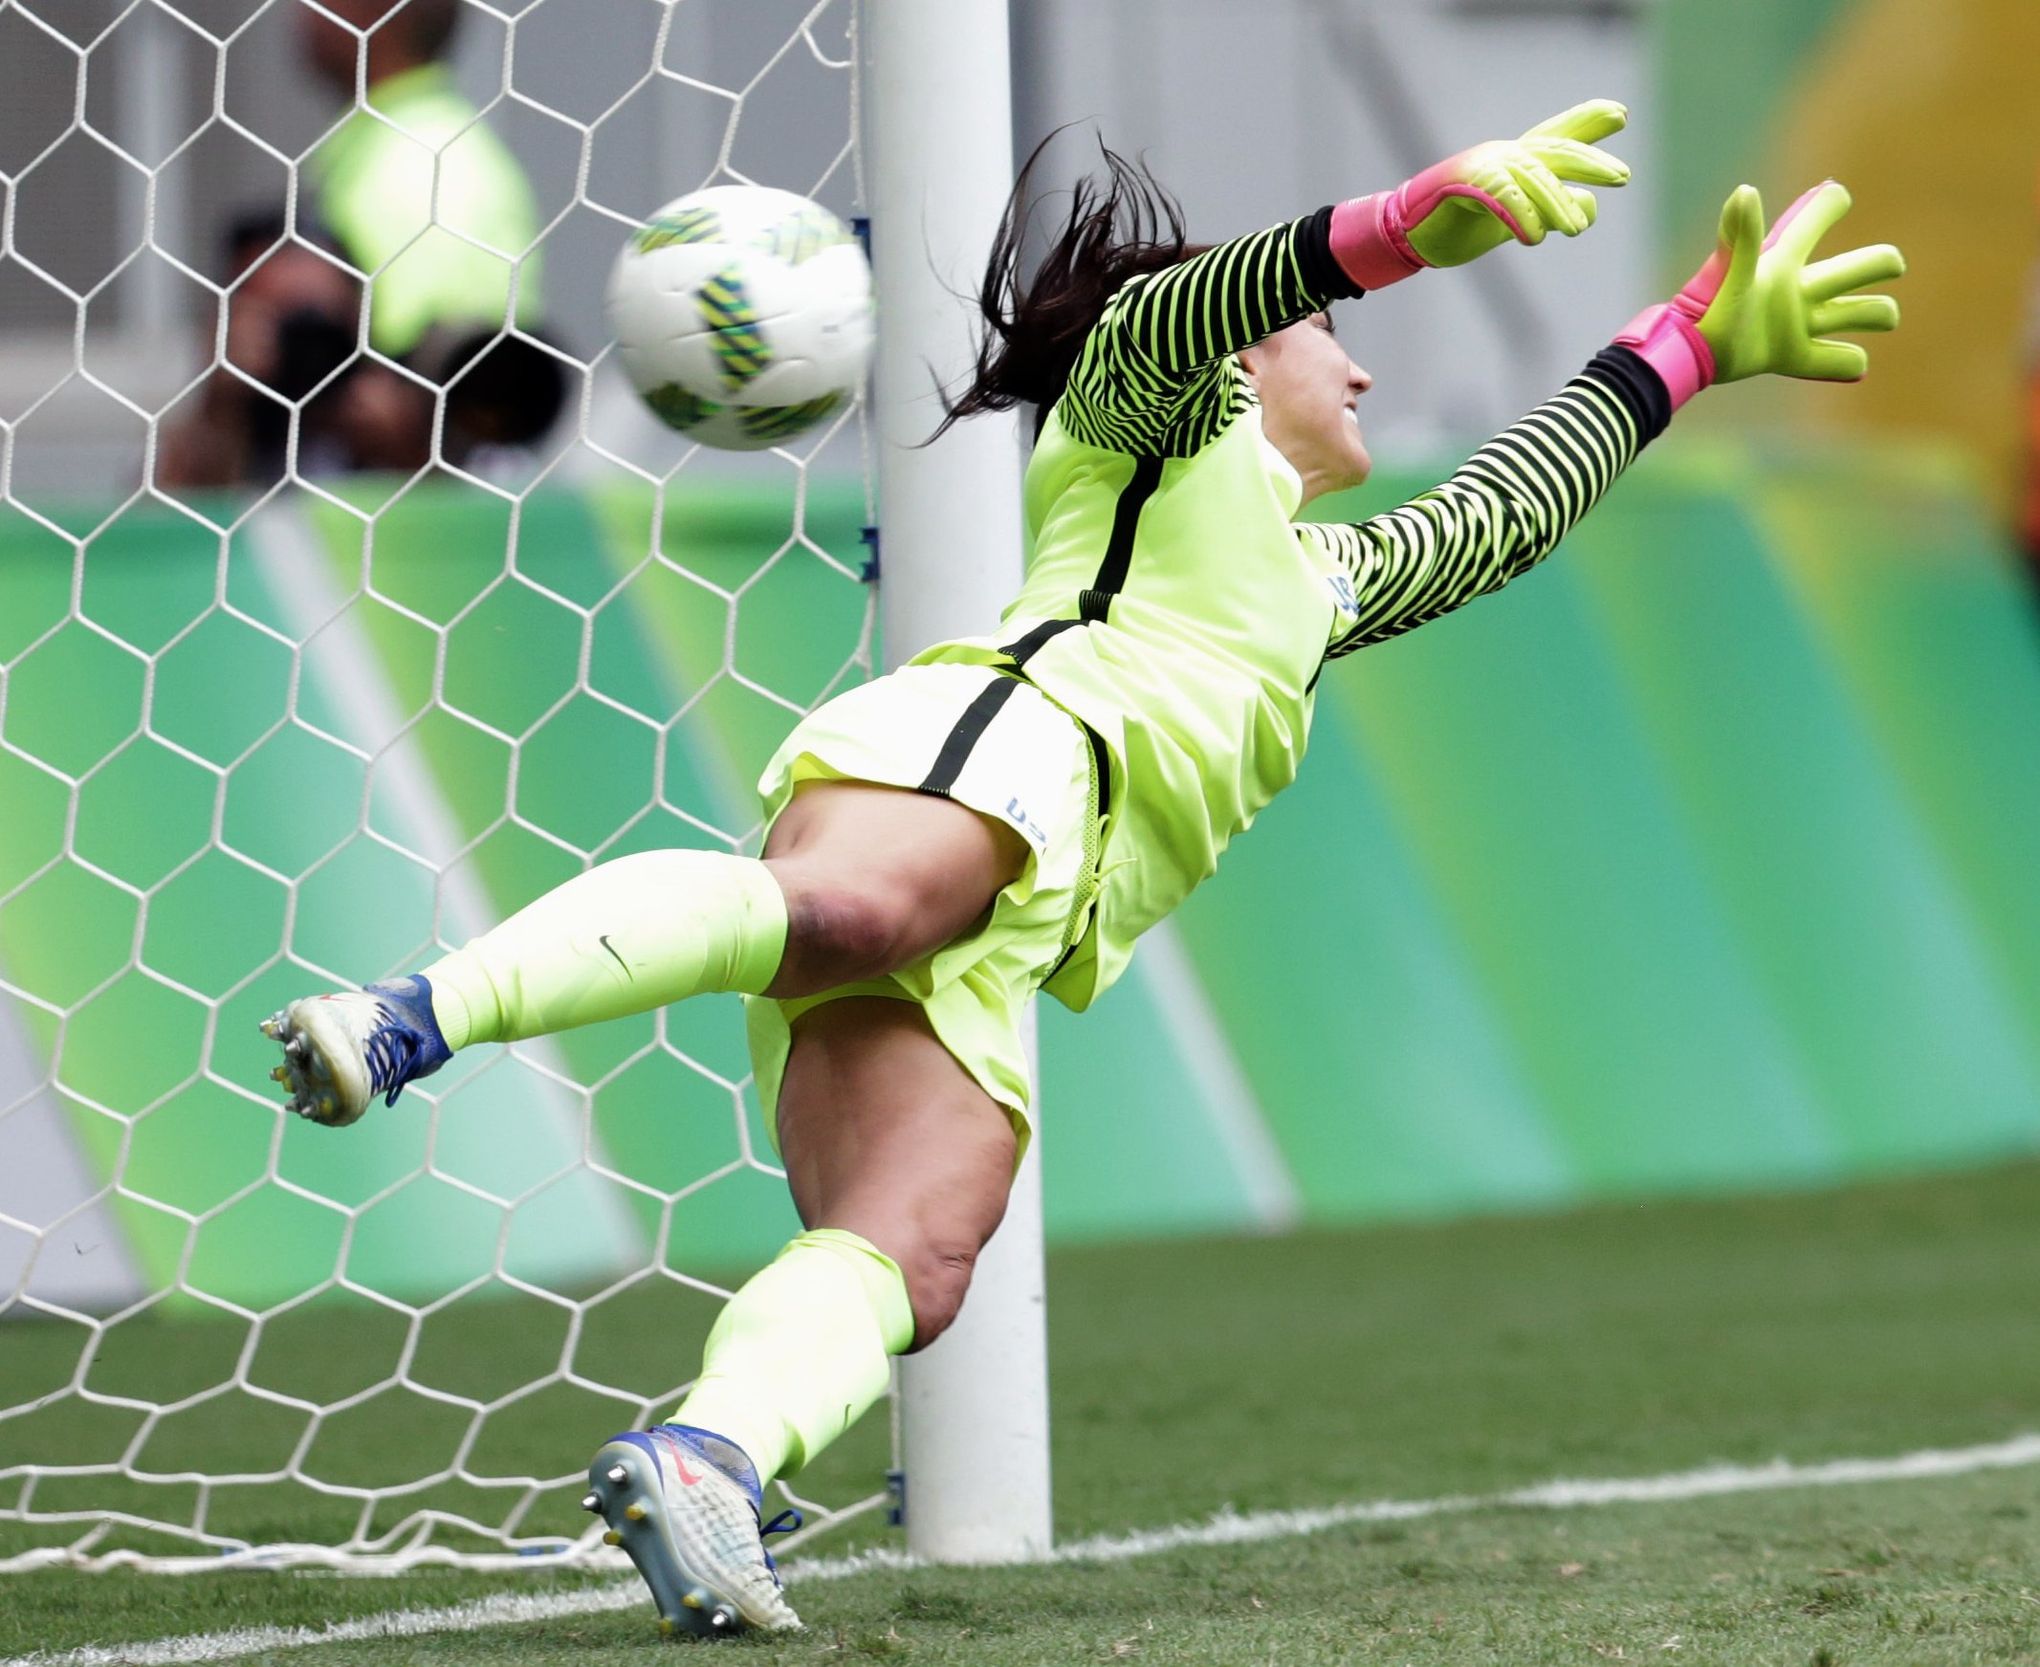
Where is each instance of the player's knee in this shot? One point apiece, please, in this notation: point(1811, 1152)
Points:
point(937, 1276)
point(847, 931)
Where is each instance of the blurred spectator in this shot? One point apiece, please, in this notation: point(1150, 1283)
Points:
point(416, 195)
point(292, 320)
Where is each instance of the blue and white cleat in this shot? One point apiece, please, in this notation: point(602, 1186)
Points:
point(342, 1050)
point(685, 1505)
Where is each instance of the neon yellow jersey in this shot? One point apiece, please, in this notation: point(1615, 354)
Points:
point(1172, 604)
point(430, 203)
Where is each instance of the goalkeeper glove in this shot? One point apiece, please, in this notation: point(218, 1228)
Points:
point(1457, 210)
point(1757, 305)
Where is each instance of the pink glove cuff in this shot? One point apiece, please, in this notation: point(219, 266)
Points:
point(1369, 244)
point(1671, 344)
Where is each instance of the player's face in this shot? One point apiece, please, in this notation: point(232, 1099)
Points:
point(1308, 389)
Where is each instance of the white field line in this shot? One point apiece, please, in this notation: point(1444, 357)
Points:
point(1226, 1528)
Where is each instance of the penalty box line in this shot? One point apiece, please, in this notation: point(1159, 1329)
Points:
point(1226, 1528)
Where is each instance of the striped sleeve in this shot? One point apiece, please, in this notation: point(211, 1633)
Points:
point(1156, 375)
point(1503, 511)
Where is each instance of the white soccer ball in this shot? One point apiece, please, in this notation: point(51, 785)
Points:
point(742, 314)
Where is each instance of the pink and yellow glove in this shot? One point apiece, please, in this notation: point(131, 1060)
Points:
point(1457, 210)
point(1757, 306)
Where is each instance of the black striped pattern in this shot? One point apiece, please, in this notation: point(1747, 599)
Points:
point(1502, 512)
point(1156, 376)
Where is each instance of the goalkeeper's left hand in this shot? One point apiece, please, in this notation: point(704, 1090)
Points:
point(1457, 210)
point(1757, 306)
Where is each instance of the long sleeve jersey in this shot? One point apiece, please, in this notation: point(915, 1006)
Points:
point(1174, 606)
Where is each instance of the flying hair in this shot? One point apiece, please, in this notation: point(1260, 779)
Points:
point(1032, 329)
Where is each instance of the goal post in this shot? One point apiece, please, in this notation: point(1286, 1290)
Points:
point(936, 118)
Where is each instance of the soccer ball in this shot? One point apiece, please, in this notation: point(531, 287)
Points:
point(742, 314)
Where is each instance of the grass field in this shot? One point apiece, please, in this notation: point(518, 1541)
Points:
point(1405, 1363)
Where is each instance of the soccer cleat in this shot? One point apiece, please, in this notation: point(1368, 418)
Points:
point(684, 1505)
point(340, 1051)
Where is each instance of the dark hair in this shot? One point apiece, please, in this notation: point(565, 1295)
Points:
point(1117, 228)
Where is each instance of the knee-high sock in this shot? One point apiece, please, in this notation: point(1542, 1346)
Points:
point(800, 1352)
point(626, 937)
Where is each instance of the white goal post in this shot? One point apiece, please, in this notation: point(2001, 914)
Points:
point(168, 873)
point(938, 149)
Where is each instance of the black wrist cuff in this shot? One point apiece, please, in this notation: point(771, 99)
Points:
point(1628, 376)
point(1322, 273)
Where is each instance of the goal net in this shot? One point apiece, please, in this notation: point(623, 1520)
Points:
point(305, 727)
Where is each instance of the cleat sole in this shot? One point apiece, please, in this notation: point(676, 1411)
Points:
point(627, 1496)
point(306, 1071)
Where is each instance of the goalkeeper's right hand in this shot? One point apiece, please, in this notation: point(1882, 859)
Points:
point(1457, 210)
point(1756, 306)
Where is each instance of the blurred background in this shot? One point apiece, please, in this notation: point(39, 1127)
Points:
point(137, 138)
point(1703, 862)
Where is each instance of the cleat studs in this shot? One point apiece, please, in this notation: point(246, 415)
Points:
point(636, 1513)
point(618, 1474)
point(720, 1618)
point(667, 1629)
point(278, 1074)
point(593, 1502)
point(692, 1600)
point(612, 1538)
point(272, 1027)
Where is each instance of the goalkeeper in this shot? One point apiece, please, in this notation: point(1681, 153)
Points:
point(1010, 812)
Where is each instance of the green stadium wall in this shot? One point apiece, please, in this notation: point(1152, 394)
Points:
point(1702, 859)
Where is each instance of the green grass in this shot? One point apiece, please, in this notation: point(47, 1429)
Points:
point(1411, 1362)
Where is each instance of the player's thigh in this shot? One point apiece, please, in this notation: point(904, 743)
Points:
point(911, 867)
point(885, 1135)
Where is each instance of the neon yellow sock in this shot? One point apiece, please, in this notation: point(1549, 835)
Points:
point(628, 936)
point(801, 1351)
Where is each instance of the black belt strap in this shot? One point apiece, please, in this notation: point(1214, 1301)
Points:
point(1025, 648)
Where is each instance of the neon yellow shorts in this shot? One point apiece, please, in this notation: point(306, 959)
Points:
point(1002, 747)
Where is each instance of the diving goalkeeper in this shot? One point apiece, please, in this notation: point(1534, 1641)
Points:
point(1010, 812)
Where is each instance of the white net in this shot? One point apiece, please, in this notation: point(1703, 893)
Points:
point(270, 724)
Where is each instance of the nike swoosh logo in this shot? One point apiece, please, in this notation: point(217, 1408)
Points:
point(606, 944)
point(677, 1454)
